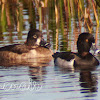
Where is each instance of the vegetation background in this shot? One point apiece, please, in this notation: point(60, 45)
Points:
point(53, 17)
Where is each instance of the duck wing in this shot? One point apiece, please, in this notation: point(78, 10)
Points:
point(16, 48)
point(64, 55)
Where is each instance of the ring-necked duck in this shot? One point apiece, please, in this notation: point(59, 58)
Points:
point(34, 46)
point(83, 58)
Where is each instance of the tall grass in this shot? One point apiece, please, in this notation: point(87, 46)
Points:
point(60, 16)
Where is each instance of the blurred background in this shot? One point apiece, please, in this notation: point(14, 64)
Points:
point(61, 21)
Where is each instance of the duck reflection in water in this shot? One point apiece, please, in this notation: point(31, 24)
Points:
point(88, 81)
point(36, 73)
point(29, 62)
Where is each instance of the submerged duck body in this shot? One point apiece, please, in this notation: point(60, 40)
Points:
point(83, 58)
point(34, 47)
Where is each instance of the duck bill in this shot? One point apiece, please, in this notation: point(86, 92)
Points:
point(44, 43)
point(94, 48)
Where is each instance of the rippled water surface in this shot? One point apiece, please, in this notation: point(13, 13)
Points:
point(41, 79)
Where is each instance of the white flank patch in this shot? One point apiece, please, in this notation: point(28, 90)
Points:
point(65, 64)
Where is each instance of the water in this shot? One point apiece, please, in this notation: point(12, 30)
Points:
point(41, 79)
point(49, 83)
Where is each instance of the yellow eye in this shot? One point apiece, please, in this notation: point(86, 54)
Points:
point(34, 36)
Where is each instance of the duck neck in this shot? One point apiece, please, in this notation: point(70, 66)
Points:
point(83, 54)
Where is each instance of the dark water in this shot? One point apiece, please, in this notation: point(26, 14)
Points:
point(61, 28)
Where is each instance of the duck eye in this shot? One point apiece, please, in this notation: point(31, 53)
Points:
point(34, 36)
point(86, 40)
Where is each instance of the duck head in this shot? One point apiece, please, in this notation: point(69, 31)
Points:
point(84, 43)
point(34, 37)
